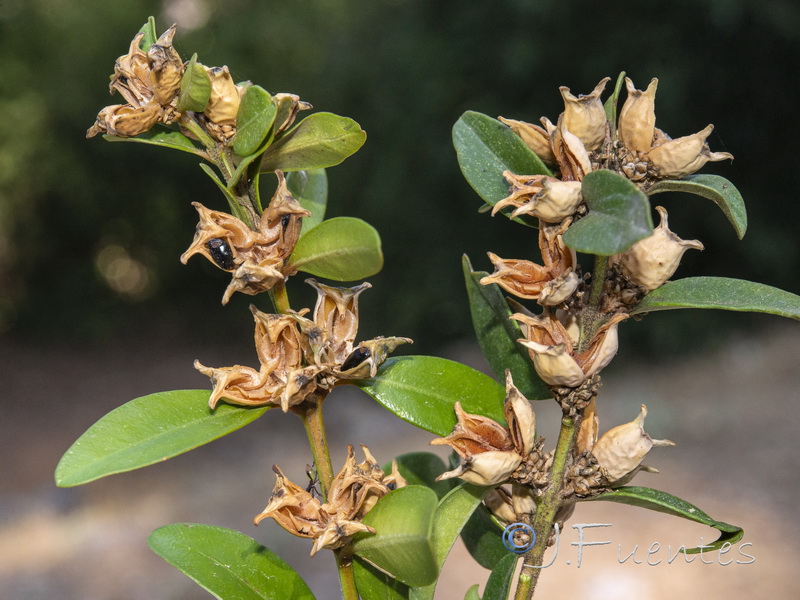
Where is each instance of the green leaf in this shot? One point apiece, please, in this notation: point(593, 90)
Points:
point(484, 539)
point(672, 505)
point(498, 335)
point(342, 249)
point(619, 215)
point(472, 593)
point(423, 390)
point(253, 121)
point(422, 468)
point(318, 141)
point(373, 584)
point(499, 584)
point(401, 545)
point(485, 148)
point(611, 104)
point(150, 35)
point(228, 564)
point(717, 189)
point(161, 136)
point(310, 189)
point(195, 87)
point(148, 430)
point(451, 515)
point(721, 293)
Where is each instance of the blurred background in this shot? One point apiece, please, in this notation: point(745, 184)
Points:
point(95, 307)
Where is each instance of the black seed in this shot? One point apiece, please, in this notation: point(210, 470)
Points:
point(285, 220)
point(357, 356)
point(221, 253)
point(391, 486)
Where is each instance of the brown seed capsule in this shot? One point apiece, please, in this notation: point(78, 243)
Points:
point(674, 159)
point(124, 120)
point(637, 119)
point(166, 68)
point(535, 137)
point(650, 262)
point(520, 418)
point(621, 450)
point(585, 116)
point(556, 201)
point(223, 104)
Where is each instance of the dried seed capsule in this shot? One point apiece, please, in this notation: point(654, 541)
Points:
point(166, 68)
point(675, 159)
point(357, 356)
point(535, 137)
point(585, 116)
point(621, 451)
point(487, 468)
point(637, 119)
point(652, 261)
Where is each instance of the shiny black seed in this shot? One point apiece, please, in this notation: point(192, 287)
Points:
point(285, 220)
point(357, 356)
point(221, 253)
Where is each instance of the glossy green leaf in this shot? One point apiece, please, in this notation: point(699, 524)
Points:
point(228, 564)
point(619, 215)
point(423, 390)
point(721, 293)
point(161, 136)
point(484, 538)
point(342, 249)
point(195, 87)
point(310, 189)
point(150, 35)
point(452, 513)
point(498, 335)
point(611, 104)
point(717, 189)
point(253, 121)
point(659, 501)
point(148, 430)
point(373, 584)
point(318, 141)
point(422, 468)
point(402, 544)
point(485, 148)
point(499, 584)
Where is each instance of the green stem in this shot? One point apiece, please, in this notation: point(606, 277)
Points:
point(546, 511)
point(310, 413)
point(197, 130)
point(280, 298)
point(598, 280)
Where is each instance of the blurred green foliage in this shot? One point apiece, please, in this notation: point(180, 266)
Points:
point(405, 70)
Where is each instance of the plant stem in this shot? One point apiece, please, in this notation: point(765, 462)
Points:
point(598, 280)
point(311, 414)
point(280, 298)
point(546, 510)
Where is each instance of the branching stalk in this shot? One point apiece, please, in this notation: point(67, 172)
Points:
point(546, 510)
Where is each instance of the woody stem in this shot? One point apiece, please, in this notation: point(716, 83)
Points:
point(310, 413)
point(546, 510)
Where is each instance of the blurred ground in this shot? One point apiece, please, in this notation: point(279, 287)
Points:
point(729, 414)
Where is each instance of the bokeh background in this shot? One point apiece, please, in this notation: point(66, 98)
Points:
point(96, 309)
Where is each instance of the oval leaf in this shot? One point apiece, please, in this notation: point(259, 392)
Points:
point(485, 148)
point(484, 538)
point(253, 121)
point(373, 584)
point(318, 141)
point(148, 430)
point(310, 189)
point(715, 188)
point(451, 515)
point(401, 545)
point(161, 136)
point(195, 87)
point(498, 335)
point(672, 505)
point(423, 390)
point(721, 293)
point(619, 215)
point(342, 249)
point(228, 564)
point(499, 584)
